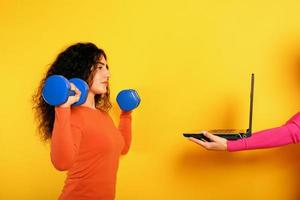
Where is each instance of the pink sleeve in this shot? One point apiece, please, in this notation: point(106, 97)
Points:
point(275, 137)
point(65, 140)
point(125, 129)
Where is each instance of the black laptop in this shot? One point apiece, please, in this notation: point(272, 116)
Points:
point(230, 134)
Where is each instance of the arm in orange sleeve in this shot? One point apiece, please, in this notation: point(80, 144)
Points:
point(125, 129)
point(65, 140)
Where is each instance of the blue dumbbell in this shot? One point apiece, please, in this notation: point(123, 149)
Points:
point(128, 99)
point(57, 90)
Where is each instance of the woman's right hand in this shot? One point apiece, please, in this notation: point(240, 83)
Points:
point(72, 99)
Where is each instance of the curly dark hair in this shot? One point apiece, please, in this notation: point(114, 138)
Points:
point(76, 61)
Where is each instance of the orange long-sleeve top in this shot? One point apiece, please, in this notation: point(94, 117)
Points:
point(87, 144)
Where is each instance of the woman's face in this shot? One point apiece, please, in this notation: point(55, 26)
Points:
point(101, 77)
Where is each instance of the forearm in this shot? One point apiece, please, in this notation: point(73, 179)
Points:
point(62, 143)
point(275, 137)
point(125, 129)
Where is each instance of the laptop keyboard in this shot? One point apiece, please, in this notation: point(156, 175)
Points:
point(226, 131)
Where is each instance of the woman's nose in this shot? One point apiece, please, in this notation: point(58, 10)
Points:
point(107, 73)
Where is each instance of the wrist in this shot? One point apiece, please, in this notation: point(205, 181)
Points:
point(225, 145)
point(126, 112)
point(65, 105)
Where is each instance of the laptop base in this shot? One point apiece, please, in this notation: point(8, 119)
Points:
point(234, 136)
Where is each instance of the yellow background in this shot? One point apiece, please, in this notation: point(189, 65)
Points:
point(191, 62)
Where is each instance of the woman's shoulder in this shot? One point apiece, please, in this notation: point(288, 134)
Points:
point(78, 116)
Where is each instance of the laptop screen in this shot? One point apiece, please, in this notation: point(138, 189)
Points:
point(251, 103)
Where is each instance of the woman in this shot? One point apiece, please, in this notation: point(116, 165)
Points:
point(287, 134)
point(84, 139)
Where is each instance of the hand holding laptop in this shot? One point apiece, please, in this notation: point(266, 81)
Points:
point(215, 143)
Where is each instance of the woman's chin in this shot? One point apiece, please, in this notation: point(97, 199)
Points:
point(102, 92)
point(99, 91)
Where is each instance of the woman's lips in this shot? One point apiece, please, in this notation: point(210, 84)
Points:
point(105, 83)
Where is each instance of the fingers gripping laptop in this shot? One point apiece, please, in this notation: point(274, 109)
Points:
point(230, 134)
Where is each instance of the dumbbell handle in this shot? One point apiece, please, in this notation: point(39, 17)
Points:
point(71, 93)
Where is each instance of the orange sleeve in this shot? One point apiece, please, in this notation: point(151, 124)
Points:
point(65, 140)
point(125, 129)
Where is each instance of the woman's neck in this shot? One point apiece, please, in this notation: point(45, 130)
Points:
point(90, 101)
